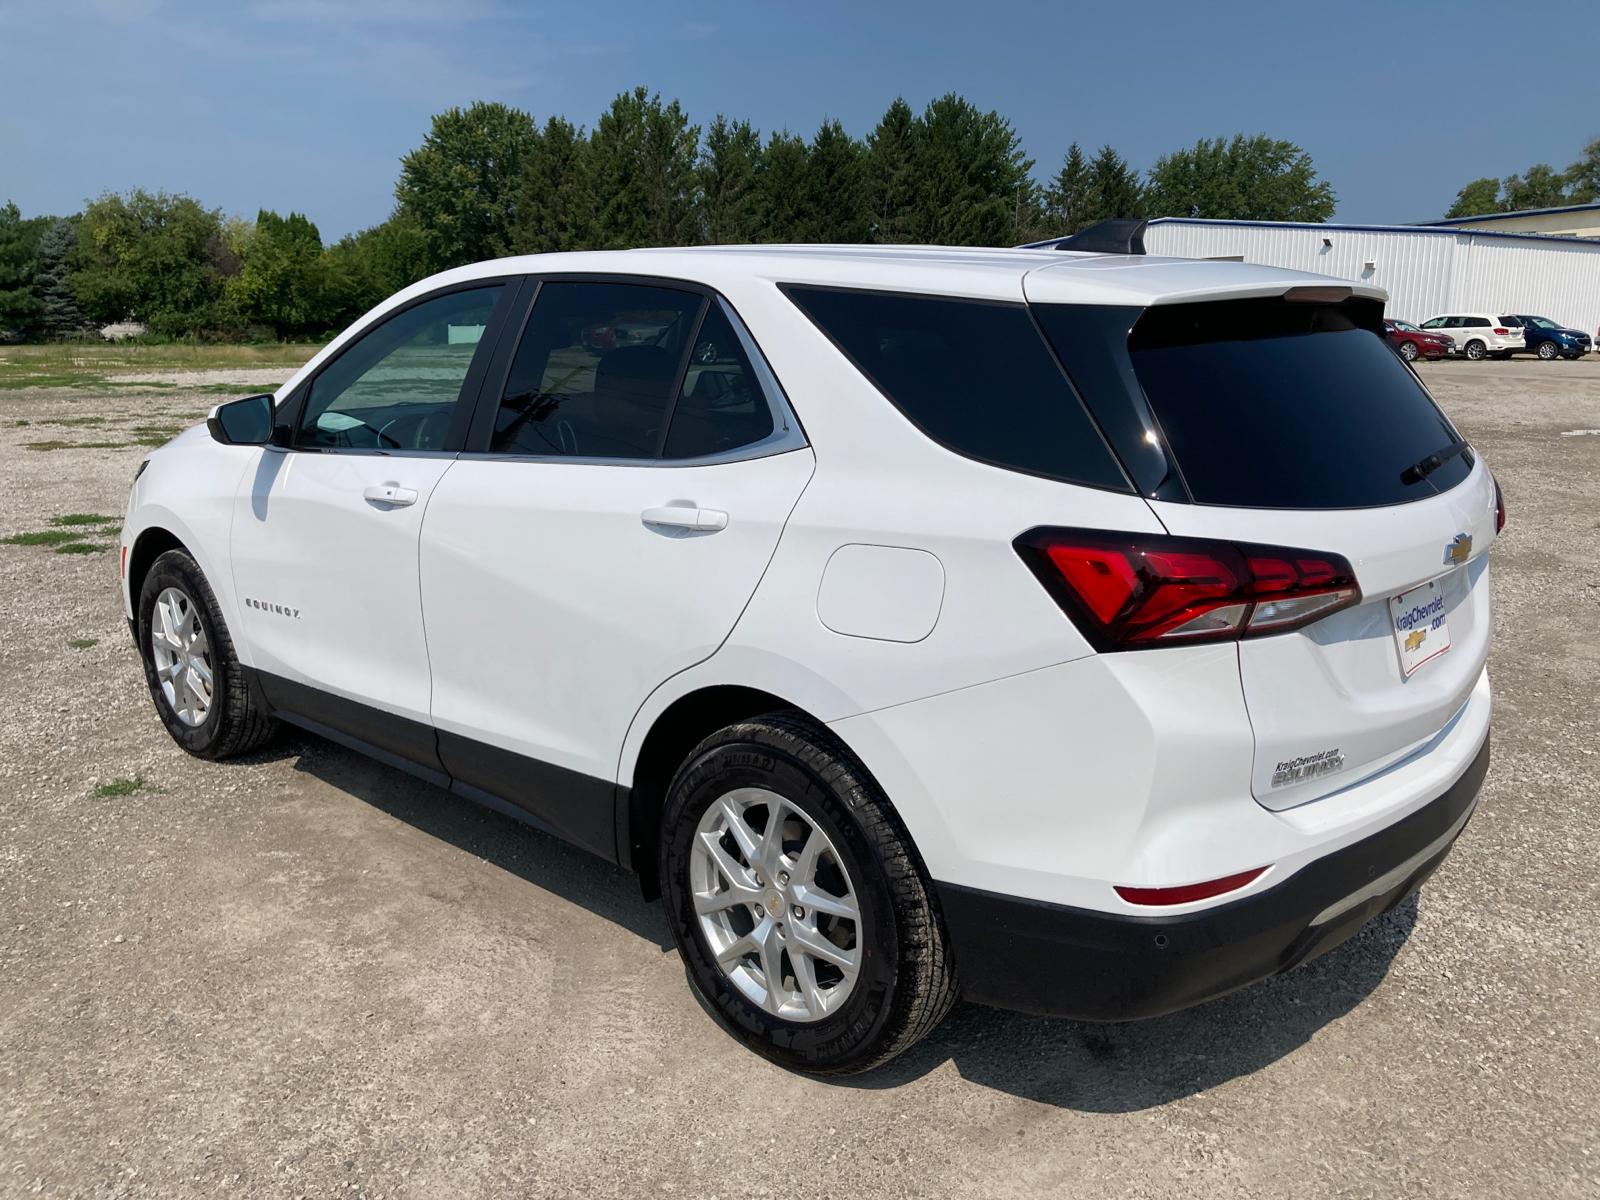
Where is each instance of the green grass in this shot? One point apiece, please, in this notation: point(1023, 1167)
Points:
point(120, 787)
point(80, 548)
point(83, 643)
point(90, 366)
point(45, 537)
point(83, 519)
point(60, 445)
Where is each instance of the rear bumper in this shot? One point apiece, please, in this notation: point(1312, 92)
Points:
point(1058, 960)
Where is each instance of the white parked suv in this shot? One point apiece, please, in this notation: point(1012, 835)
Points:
point(1085, 634)
point(1479, 335)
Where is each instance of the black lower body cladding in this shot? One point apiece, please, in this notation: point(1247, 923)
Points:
point(1056, 960)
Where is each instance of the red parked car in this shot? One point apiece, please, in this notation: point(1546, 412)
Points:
point(1414, 343)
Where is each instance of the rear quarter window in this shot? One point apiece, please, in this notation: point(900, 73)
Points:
point(976, 377)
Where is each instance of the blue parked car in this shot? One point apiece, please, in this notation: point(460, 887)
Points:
point(1544, 337)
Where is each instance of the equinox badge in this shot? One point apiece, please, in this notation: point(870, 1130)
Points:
point(1457, 551)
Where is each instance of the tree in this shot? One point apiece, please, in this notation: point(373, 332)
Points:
point(1477, 198)
point(1583, 176)
point(646, 190)
point(18, 242)
point(378, 262)
point(460, 186)
point(1114, 189)
point(729, 165)
point(1247, 179)
point(59, 314)
point(1066, 203)
point(833, 205)
point(155, 258)
point(889, 178)
point(286, 279)
point(781, 189)
point(1542, 187)
point(555, 208)
point(968, 167)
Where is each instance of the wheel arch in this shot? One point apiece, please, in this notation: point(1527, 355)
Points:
point(150, 545)
point(674, 733)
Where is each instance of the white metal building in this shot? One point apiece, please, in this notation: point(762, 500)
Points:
point(1426, 270)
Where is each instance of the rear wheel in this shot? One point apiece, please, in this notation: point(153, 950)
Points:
point(1548, 351)
point(800, 906)
point(1408, 351)
point(1476, 350)
point(194, 676)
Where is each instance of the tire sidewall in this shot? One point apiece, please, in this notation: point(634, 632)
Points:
point(1548, 352)
point(1408, 351)
point(844, 1036)
point(176, 569)
point(1476, 350)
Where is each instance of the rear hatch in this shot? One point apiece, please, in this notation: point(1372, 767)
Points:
point(1292, 423)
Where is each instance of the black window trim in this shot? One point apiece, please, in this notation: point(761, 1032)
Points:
point(787, 432)
point(288, 413)
point(1130, 488)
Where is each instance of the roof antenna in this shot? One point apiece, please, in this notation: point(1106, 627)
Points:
point(1119, 235)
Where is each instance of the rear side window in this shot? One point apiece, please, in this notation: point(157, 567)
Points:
point(1476, 323)
point(976, 377)
point(1268, 404)
point(720, 407)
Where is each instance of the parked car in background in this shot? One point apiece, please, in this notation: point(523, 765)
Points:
point(1413, 343)
point(1479, 335)
point(1542, 336)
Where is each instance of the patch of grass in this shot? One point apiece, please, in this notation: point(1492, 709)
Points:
point(83, 519)
point(60, 445)
point(80, 548)
point(53, 445)
point(45, 537)
point(78, 421)
point(120, 787)
point(21, 422)
point(83, 643)
point(155, 437)
point(75, 364)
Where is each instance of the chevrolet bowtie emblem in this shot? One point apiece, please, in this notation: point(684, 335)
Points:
point(1458, 551)
point(1415, 638)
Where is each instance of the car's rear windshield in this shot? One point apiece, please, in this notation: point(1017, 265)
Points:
point(1271, 404)
point(975, 376)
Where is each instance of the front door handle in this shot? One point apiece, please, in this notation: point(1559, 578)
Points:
point(388, 493)
point(707, 520)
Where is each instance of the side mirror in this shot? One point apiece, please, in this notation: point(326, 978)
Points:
point(246, 422)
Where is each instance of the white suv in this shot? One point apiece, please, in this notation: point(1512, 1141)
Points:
point(1480, 335)
point(1086, 634)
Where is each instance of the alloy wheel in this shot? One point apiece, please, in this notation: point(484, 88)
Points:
point(776, 905)
point(182, 655)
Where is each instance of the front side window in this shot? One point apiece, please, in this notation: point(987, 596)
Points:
point(397, 386)
point(976, 377)
point(1405, 326)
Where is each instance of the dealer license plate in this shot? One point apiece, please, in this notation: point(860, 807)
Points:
point(1421, 630)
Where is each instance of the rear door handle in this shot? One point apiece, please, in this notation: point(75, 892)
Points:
point(388, 493)
point(705, 519)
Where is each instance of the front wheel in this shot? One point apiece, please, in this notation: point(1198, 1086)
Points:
point(1548, 351)
point(1476, 350)
point(801, 908)
point(194, 675)
point(1408, 351)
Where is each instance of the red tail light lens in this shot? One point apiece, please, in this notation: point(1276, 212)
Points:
point(1130, 591)
point(1502, 332)
point(1189, 892)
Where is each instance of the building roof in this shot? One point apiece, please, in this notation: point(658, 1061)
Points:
point(1593, 206)
point(1438, 228)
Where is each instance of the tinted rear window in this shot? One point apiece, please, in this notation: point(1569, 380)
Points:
point(1267, 404)
point(976, 377)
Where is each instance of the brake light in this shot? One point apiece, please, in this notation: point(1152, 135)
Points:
point(1133, 591)
point(1502, 332)
point(1189, 892)
point(1499, 506)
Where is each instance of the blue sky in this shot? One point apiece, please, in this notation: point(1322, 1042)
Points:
point(307, 106)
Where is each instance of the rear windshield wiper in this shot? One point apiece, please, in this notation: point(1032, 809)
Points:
point(1417, 472)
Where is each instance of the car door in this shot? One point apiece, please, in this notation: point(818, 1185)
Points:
point(619, 500)
point(324, 535)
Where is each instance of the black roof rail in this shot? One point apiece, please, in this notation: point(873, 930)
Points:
point(1119, 235)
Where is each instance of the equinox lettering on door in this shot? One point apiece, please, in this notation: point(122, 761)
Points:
point(1308, 767)
point(280, 609)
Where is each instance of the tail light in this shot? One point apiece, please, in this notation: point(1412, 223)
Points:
point(1135, 591)
point(1189, 892)
point(1499, 506)
point(1502, 332)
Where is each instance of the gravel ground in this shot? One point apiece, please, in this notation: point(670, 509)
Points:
point(304, 974)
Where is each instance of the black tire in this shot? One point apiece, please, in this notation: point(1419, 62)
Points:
point(1408, 351)
point(234, 722)
point(1475, 350)
point(907, 978)
point(1548, 351)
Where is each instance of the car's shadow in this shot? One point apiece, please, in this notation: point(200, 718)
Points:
point(1070, 1064)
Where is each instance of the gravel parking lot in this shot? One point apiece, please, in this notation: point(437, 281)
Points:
point(306, 974)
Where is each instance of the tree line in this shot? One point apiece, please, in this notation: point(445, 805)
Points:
point(1541, 186)
point(489, 181)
